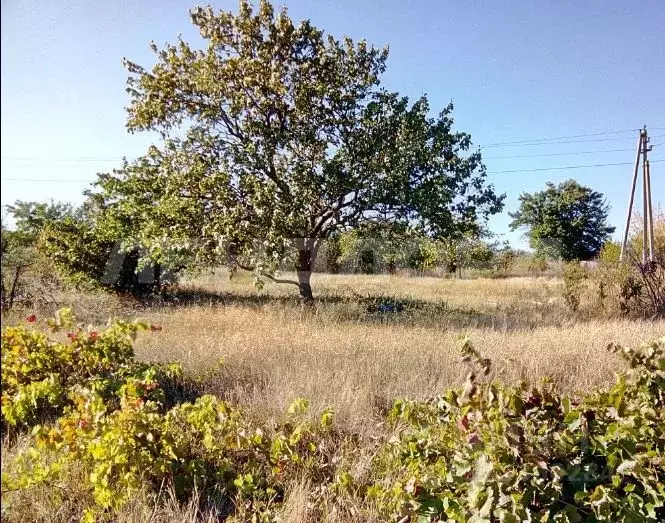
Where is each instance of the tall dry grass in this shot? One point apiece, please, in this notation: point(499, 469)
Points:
point(343, 355)
point(271, 358)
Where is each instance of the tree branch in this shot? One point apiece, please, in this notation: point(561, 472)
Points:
point(269, 276)
point(272, 174)
point(333, 211)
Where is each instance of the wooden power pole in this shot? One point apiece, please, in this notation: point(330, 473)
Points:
point(647, 230)
point(649, 210)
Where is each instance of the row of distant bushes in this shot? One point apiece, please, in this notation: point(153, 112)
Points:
point(485, 452)
point(53, 245)
point(350, 252)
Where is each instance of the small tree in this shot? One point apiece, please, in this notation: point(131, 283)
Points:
point(27, 276)
point(377, 246)
point(425, 256)
point(567, 221)
point(89, 258)
point(648, 283)
point(637, 236)
point(276, 136)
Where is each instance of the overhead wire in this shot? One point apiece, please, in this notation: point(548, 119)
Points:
point(566, 167)
point(570, 139)
point(509, 157)
point(71, 159)
point(574, 153)
point(534, 142)
point(516, 142)
point(538, 169)
point(567, 142)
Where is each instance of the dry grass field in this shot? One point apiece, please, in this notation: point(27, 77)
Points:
point(346, 354)
point(354, 359)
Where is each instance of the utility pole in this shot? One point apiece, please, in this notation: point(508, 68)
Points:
point(632, 196)
point(645, 199)
point(652, 249)
point(647, 229)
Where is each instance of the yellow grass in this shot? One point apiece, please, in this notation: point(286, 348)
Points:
point(356, 361)
point(343, 353)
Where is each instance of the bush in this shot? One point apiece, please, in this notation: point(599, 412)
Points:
point(504, 261)
point(39, 375)
point(650, 280)
point(424, 257)
point(537, 264)
point(54, 243)
point(331, 254)
point(574, 278)
point(207, 445)
point(610, 253)
point(28, 278)
point(117, 419)
point(496, 453)
point(636, 288)
point(90, 260)
point(645, 288)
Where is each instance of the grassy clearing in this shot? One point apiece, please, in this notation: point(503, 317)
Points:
point(357, 361)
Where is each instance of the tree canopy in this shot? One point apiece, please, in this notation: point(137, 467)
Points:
point(566, 221)
point(30, 218)
point(274, 136)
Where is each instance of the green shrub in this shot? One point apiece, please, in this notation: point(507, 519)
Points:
point(537, 264)
point(89, 259)
point(331, 254)
point(425, 256)
point(28, 277)
point(630, 286)
point(496, 453)
point(39, 374)
point(206, 445)
point(117, 422)
point(574, 282)
point(504, 261)
point(610, 253)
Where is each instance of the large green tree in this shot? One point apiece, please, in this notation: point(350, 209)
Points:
point(274, 136)
point(566, 221)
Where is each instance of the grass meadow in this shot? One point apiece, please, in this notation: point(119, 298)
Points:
point(261, 349)
point(345, 355)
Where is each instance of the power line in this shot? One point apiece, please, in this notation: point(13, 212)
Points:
point(70, 159)
point(563, 154)
point(570, 141)
point(561, 137)
point(51, 180)
point(539, 169)
point(562, 168)
point(533, 142)
point(509, 157)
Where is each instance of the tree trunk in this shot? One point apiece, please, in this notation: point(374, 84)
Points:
point(305, 287)
point(304, 270)
point(15, 287)
point(3, 297)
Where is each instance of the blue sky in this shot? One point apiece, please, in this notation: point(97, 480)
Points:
point(515, 70)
